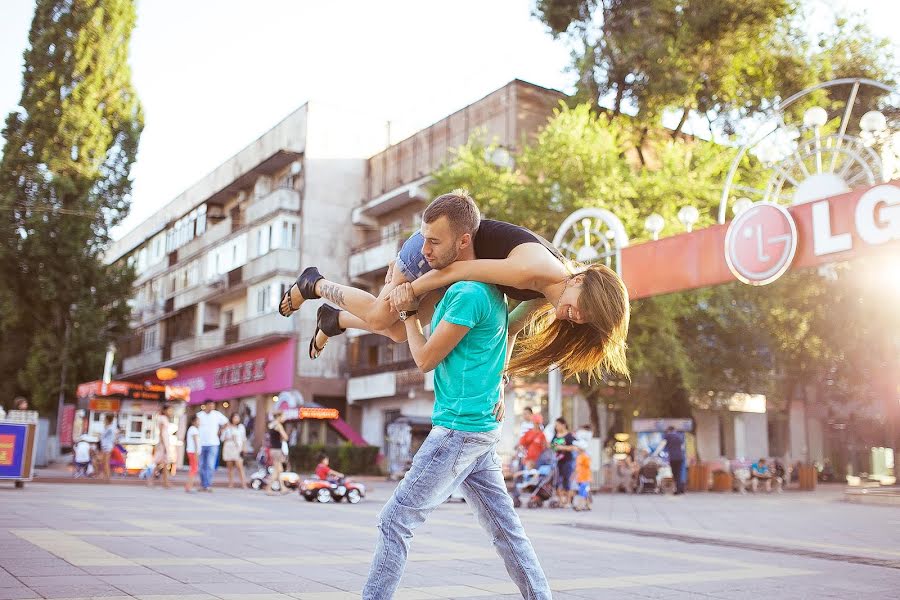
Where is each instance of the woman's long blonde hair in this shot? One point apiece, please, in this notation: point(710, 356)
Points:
point(594, 347)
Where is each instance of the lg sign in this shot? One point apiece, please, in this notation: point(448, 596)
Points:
point(761, 242)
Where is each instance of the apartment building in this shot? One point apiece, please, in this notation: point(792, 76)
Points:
point(384, 383)
point(213, 263)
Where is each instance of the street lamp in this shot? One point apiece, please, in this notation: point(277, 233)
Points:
point(740, 205)
point(688, 215)
point(654, 224)
point(873, 121)
point(815, 116)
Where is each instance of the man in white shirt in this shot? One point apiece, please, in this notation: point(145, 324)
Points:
point(211, 423)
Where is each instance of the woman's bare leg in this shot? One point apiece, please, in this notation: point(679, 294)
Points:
point(240, 469)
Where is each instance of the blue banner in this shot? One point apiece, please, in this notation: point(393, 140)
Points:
point(12, 450)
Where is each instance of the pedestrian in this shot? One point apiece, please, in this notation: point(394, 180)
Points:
point(234, 443)
point(278, 451)
point(162, 450)
point(84, 455)
point(191, 448)
point(564, 445)
point(582, 476)
point(533, 442)
point(211, 423)
point(107, 443)
point(527, 423)
point(674, 446)
point(467, 350)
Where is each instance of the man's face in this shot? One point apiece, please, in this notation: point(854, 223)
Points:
point(207, 407)
point(442, 245)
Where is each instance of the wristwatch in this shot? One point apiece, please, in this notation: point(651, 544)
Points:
point(405, 314)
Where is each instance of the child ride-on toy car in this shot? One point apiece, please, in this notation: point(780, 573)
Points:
point(328, 490)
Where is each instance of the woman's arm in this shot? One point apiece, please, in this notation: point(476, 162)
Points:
point(527, 267)
point(522, 314)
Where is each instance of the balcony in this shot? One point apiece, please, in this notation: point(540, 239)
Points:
point(280, 199)
point(201, 343)
point(374, 258)
point(142, 361)
point(379, 385)
point(263, 325)
point(287, 260)
point(213, 234)
point(191, 296)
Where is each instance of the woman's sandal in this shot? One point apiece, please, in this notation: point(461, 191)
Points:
point(306, 284)
point(327, 323)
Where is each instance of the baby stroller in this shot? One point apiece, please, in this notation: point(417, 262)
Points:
point(647, 479)
point(538, 483)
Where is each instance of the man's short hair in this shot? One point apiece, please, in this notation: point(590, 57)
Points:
point(460, 210)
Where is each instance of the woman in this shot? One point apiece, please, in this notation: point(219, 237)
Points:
point(234, 443)
point(575, 318)
point(564, 445)
point(277, 451)
point(162, 451)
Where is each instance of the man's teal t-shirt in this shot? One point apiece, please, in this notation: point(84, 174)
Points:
point(467, 381)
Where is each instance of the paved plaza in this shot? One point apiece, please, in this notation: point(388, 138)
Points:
point(127, 541)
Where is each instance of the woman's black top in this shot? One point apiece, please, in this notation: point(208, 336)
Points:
point(496, 239)
point(274, 439)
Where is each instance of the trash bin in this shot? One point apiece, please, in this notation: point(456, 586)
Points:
point(808, 477)
point(698, 478)
point(722, 481)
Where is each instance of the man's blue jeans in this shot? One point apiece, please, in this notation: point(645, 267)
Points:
point(208, 455)
point(451, 458)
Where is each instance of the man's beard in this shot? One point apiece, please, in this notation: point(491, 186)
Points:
point(442, 261)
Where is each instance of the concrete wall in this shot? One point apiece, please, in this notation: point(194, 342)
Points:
point(289, 134)
point(706, 429)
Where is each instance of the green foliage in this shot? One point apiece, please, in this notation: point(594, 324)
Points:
point(346, 458)
point(723, 60)
point(64, 183)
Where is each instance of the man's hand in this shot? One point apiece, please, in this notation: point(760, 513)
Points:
point(500, 407)
point(402, 298)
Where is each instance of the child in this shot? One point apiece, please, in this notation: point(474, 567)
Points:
point(191, 448)
point(83, 456)
point(325, 472)
point(582, 476)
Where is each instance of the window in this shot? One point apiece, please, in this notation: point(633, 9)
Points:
point(148, 340)
point(263, 239)
point(263, 299)
point(390, 231)
point(229, 318)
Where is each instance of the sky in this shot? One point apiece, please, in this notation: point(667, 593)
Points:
point(214, 75)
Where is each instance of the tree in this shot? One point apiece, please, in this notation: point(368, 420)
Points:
point(723, 60)
point(581, 159)
point(64, 183)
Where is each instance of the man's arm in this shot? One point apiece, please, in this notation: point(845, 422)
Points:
point(427, 353)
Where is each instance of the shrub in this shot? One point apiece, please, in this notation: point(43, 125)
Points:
point(346, 458)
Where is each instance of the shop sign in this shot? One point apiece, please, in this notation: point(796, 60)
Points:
point(263, 370)
point(242, 372)
point(309, 412)
point(104, 404)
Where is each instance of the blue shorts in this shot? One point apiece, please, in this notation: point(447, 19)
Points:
point(584, 489)
point(410, 259)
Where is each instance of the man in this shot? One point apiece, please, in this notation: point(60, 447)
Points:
point(211, 423)
point(675, 449)
point(467, 351)
point(760, 471)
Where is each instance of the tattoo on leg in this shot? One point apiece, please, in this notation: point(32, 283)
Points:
point(333, 293)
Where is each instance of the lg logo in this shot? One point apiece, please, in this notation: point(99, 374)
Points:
point(760, 243)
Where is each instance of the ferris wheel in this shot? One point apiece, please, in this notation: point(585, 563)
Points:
point(813, 156)
point(591, 235)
